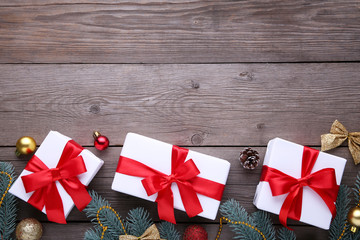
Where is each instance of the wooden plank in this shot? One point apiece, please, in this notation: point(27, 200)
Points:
point(207, 104)
point(77, 231)
point(60, 31)
point(241, 184)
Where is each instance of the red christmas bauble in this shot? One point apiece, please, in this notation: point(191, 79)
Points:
point(101, 142)
point(195, 232)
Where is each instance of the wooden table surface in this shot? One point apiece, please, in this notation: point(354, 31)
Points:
point(214, 76)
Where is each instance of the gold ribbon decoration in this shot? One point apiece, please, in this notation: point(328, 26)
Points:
point(152, 233)
point(338, 134)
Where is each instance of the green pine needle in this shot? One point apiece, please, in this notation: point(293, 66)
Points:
point(107, 218)
point(342, 209)
point(233, 211)
point(93, 233)
point(167, 231)
point(356, 190)
point(286, 234)
point(138, 221)
point(264, 224)
point(353, 236)
point(8, 208)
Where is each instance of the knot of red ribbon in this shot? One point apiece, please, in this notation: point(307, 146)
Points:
point(323, 182)
point(42, 182)
point(184, 174)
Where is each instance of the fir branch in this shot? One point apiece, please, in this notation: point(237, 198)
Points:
point(93, 233)
point(233, 211)
point(342, 209)
point(286, 234)
point(8, 207)
point(353, 236)
point(106, 216)
point(138, 221)
point(356, 189)
point(264, 224)
point(167, 231)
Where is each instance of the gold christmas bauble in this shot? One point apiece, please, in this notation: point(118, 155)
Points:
point(29, 229)
point(25, 145)
point(354, 218)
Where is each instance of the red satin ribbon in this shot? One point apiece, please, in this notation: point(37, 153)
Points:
point(323, 182)
point(185, 176)
point(43, 179)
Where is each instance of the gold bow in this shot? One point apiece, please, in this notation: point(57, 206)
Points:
point(152, 233)
point(338, 134)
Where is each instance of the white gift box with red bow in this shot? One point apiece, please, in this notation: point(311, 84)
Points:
point(49, 153)
point(287, 157)
point(157, 155)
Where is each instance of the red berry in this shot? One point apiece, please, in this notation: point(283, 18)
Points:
point(195, 232)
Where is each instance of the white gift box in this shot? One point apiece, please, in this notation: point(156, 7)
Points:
point(157, 155)
point(49, 153)
point(286, 157)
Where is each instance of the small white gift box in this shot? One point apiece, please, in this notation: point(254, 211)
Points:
point(158, 155)
point(50, 152)
point(287, 157)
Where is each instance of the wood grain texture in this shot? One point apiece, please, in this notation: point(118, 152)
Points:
point(179, 31)
point(205, 104)
point(218, 108)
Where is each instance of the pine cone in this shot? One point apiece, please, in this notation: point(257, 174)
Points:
point(249, 158)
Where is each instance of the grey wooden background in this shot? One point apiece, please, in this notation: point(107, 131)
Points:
point(214, 76)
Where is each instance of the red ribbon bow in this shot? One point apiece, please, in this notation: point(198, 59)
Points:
point(323, 182)
point(184, 174)
point(43, 179)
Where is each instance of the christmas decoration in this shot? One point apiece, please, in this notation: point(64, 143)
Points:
point(354, 219)
point(338, 226)
point(29, 229)
point(258, 225)
point(195, 232)
point(151, 233)
point(299, 171)
point(108, 225)
point(8, 205)
point(58, 159)
point(101, 142)
point(249, 158)
point(151, 165)
point(338, 134)
point(25, 145)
